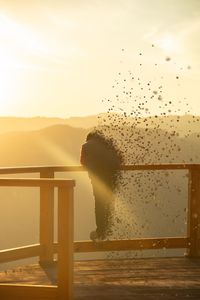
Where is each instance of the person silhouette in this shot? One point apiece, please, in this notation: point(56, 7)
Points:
point(102, 160)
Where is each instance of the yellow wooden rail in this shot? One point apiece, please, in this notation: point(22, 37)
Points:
point(46, 247)
point(54, 169)
point(64, 289)
point(47, 207)
point(89, 246)
point(29, 292)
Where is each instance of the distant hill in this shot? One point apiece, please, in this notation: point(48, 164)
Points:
point(9, 124)
point(54, 145)
point(168, 123)
point(60, 145)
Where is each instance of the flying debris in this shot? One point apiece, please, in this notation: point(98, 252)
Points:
point(148, 138)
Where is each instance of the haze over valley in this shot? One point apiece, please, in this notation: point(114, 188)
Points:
point(29, 142)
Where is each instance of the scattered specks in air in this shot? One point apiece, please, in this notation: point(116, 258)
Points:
point(146, 137)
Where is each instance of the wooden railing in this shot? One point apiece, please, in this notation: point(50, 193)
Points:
point(46, 247)
point(44, 250)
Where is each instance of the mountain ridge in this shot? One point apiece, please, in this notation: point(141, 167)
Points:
point(10, 124)
point(60, 144)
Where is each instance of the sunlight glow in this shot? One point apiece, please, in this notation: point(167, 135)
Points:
point(62, 51)
point(25, 43)
point(20, 36)
point(9, 80)
point(57, 153)
point(169, 43)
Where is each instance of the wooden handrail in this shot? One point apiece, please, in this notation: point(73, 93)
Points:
point(65, 247)
point(89, 246)
point(45, 249)
point(47, 198)
point(36, 182)
point(30, 292)
point(20, 253)
point(39, 169)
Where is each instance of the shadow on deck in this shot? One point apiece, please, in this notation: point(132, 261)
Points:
point(141, 279)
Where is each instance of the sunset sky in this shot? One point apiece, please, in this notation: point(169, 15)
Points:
point(61, 58)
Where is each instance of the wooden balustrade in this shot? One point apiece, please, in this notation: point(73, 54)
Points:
point(65, 246)
point(44, 250)
point(46, 219)
point(194, 212)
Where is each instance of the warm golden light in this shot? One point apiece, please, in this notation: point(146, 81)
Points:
point(169, 43)
point(54, 57)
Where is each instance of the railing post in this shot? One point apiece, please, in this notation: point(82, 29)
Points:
point(46, 220)
point(194, 213)
point(65, 243)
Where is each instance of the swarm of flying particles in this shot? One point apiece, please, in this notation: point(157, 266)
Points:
point(150, 203)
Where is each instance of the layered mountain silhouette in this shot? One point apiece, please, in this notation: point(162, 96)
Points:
point(54, 145)
point(10, 124)
point(60, 144)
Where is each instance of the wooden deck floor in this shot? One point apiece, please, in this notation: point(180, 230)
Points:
point(140, 279)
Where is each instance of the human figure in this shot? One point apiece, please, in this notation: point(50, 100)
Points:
point(102, 160)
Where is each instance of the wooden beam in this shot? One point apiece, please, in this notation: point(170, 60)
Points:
point(36, 182)
point(157, 167)
point(46, 220)
point(194, 213)
point(134, 244)
point(39, 169)
point(27, 292)
point(89, 246)
point(65, 243)
point(19, 253)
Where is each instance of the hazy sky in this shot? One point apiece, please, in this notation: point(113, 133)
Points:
point(61, 58)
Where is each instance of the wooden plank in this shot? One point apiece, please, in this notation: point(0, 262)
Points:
point(36, 182)
point(65, 243)
point(24, 292)
point(158, 167)
point(117, 279)
point(46, 220)
point(134, 244)
point(38, 169)
point(20, 253)
point(194, 213)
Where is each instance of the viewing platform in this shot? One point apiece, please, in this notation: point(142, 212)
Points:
point(140, 279)
point(149, 278)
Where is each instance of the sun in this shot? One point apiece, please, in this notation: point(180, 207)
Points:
point(168, 43)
